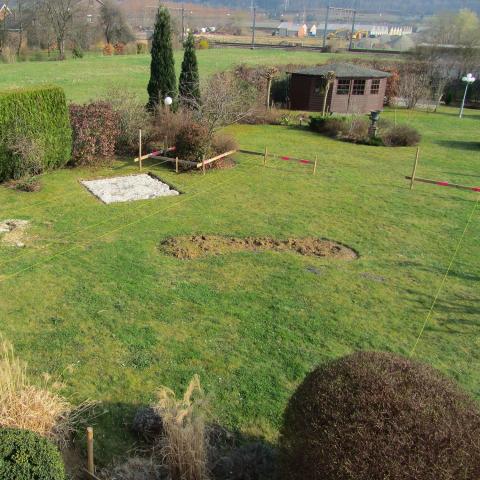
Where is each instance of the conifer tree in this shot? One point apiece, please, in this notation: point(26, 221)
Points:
point(162, 69)
point(189, 88)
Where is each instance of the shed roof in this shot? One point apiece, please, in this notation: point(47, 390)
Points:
point(347, 70)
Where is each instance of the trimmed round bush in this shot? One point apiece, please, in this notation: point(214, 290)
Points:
point(26, 456)
point(370, 416)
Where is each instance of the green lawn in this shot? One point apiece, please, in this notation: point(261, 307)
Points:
point(92, 300)
point(96, 75)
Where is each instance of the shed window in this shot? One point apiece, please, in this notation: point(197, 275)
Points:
point(319, 90)
point(343, 87)
point(358, 87)
point(375, 88)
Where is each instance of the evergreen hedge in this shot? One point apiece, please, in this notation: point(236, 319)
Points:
point(41, 115)
point(26, 456)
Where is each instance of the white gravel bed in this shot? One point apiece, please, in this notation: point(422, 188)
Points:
point(129, 188)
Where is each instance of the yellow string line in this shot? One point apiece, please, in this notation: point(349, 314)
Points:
point(440, 288)
point(63, 196)
point(17, 257)
point(121, 227)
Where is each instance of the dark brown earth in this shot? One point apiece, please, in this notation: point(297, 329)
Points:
point(196, 246)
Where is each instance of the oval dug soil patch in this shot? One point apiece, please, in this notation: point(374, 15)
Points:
point(197, 246)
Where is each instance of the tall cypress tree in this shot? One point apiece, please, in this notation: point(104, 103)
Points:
point(189, 87)
point(162, 69)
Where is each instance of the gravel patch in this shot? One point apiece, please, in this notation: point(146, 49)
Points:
point(129, 188)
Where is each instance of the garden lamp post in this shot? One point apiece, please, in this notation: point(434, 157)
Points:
point(469, 79)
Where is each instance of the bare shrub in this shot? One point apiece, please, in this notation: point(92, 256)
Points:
point(358, 130)
point(226, 100)
point(223, 143)
point(136, 468)
point(167, 124)
point(28, 153)
point(39, 409)
point(414, 85)
point(401, 136)
point(26, 184)
point(183, 447)
point(131, 118)
point(8, 55)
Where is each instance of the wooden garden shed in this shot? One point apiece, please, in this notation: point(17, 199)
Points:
point(354, 89)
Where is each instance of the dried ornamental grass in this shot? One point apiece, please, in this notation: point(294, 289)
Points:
point(38, 409)
point(183, 447)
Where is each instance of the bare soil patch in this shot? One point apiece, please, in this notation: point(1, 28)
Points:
point(13, 232)
point(196, 246)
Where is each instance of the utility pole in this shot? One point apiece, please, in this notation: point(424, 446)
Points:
point(254, 22)
point(326, 26)
point(353, 25)
point(183, 23)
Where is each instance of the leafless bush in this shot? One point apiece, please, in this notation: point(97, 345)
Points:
point(26, 406)
point(28, 153)
point(226, 100)
point(131, 117)
point(358, 129)
point(136, 468)
point(223, 143)
point(167, 124)
point(183, 447)
point(414, 85)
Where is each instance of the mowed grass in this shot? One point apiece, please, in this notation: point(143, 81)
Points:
point(93, 301)
point(96, 75)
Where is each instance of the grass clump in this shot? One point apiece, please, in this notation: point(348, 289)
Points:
point(183, 446)
point(25, 455)
point(376, 415)
point(39, 409)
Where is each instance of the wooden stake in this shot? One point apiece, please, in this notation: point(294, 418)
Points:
point(140, 149)
point(414, 171)
point(176, 164)
point(90, 464)
point(265, 156)
point(203, 165)
point(315, 165)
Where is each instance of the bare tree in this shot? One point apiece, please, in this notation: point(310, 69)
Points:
point(329, 80)
point(60, 15)
point(115, 27)
point(415, 84)
point(225, 100)
point(269, 74)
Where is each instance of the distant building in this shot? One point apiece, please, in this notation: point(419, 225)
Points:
point(4, 12)
point(289, 29)
point(355, 89)
point(313, 31)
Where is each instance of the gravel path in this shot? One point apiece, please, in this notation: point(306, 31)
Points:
point(129, 188)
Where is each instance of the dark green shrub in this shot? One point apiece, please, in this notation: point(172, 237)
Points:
point(41, 115)
point(253, 461)
point(329, 126)
point(401, 136)
point(27, 456)
point(373, 416)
